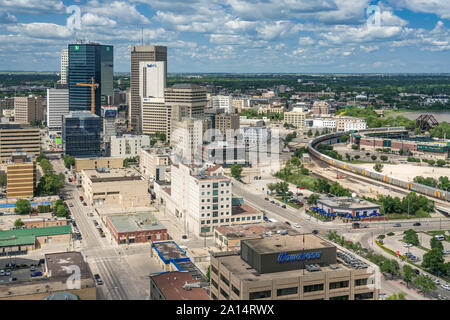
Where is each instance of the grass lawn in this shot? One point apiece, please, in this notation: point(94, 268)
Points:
point(394, 216)
point(300, 180)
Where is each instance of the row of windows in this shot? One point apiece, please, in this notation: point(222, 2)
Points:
point(232, 220)
point(339, 284)
point(215, 185)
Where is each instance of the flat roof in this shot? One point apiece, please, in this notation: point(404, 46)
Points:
point(243, 209)
point(28, 236)
point(171, 285)
point(169, 250)
point(287, 243)
point(135, 222)
point(33, 204)
point(347, 203)
point(112, 175)
point(59, 264)
point(241, 231)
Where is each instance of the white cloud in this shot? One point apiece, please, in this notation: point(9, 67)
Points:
point(121, 11)
point(32, 6)
point(41, 30)
point(369, 49)
point(90, 19)
point(306, 41)
point(439, 7)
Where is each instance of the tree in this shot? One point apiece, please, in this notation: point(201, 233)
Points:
point(321, 186)
point(436, 244)
point(357, 157)
point(383, 158)
point(425, 283)
point(397, 296)
point(18, 223)
point(282, 189)
point(433, 260)
point(69, 161)
point(208, 273)
point(295, 161)
point(390, 266)
point(431, 162)
point(309, 133)
point(373, 157)
point(46, 166)
point(312, 200)
point(23, 206)
point(408, 274)
point(61, 212)
point(339, 190)
point(378, 167)
point(272, 187)
point(440, 163)
point(50, 184)
point(347, 156)
point(411, 237)
point(236, 171)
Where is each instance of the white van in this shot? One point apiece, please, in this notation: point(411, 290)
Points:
point(440, 237)
point(273, 220)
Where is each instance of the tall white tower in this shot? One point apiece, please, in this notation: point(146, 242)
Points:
point(64, 65)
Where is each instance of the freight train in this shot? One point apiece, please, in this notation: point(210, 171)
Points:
point(411, 186)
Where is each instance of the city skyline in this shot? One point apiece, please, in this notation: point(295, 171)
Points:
point(331, 36)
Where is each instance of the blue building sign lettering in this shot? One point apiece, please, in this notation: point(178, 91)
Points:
point(284, 257)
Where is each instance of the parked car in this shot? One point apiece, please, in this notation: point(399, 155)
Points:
point(417, 224)
point(184, 236)
point(84, 204)
point(266, 219)
point(296, 225)
point(397, 225)
point(287, 222)
point(444, 252)
point(440, 237)
point(95, 222)
point(315, 231)
point(98, 279)
point(445, 286)
point(417, 271)
point(267, 199)
point(271, 201)
point(10, 265)
point(7, 272)
point(36, 274)
point(407, 245)
point(32, 268)
point(356, 225)
point(283, 206)
point(436, 280)
point(2, 272)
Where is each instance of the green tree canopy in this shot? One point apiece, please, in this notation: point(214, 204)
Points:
point(433, 260)
point(236, 171)
point(408, 274)
point(436, 244)
point(411, 237)
point(69, 161)
point(23, 206)
point(18, 223)
point(425, 283)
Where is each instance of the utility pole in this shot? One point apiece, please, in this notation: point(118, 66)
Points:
point(408, 208)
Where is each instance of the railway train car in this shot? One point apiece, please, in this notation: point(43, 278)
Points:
point(411, 186)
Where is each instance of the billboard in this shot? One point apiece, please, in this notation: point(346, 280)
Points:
point(58, 140)
point(109, 112)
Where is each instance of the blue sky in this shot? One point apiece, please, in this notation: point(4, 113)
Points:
point(299, 36)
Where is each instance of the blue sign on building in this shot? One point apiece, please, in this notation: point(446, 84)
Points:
point(284, 257)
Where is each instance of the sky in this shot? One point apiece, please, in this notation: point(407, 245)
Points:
point(236, 36)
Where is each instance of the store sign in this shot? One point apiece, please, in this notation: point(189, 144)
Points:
point(284, 257)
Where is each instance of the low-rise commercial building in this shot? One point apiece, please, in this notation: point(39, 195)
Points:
point(136, 228)
point(38, 222)
point(20, 241)
point(116, 187)
point(57, 279)
point(348, 206)
point(20, 176)
point(18, 138)
point(176, 285)
point(285, 267)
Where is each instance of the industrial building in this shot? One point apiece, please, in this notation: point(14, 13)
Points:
point(345, 206)
point(285, 267)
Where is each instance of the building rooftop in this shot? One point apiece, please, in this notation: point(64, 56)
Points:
point(171, 285)
point(112, 175)
point(28, 236)
point(58, 265)
point(135, 222)
point(80, 114)
point(255, 230)
point(168, 250)
point(287, 243)
point(347, 203)
point(185, 86)
point(243, 209)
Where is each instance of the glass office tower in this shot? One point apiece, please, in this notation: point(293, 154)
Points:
point(87, 61)
point(81, 134)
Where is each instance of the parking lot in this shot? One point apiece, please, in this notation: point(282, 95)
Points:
point(19, 269)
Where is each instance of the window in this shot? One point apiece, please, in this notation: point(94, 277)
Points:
point(203, 222)
point(221, 220)
point(215, 221)
point(225, 280)
point(213, 269)
point(232, 219)
point(214, 284)
point(215, 213)
point(362, 296)
point(312, 288)
point(339, 298)
point(215, 185)
point(224, 293)
point(260, 295)
point(339, 284)
point(287, 291)
point(361, 282)
point(213, 296)
point(254, 218)
point(235, 290)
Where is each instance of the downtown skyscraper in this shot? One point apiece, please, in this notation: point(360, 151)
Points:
point(139, 54)
point(86, 61)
